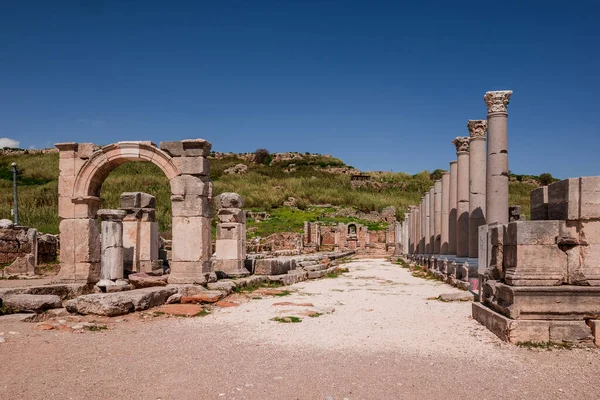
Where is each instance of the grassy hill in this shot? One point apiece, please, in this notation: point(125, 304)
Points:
point(310, 179)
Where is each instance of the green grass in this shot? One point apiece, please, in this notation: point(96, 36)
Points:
point(252, 288)
point(287, 320)
point(546, 345)
point(336, 273)
point(95, 328)
point(264, 188)
point(315, 315)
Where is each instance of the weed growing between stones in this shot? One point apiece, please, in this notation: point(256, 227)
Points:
point(283, 293)
point(252, 288)
point(202, 313)
point(546, 345)
point(95, 328)
point(315, 315)
point(287, 320)
point(336, 273)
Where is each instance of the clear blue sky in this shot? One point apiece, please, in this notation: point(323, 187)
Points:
point(382, 85)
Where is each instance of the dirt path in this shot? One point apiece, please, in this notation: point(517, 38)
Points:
point(383, 340)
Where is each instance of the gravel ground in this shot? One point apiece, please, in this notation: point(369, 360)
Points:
point(379, 337)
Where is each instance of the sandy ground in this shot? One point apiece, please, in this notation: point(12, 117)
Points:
point(384, 340)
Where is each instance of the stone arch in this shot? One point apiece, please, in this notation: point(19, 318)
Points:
point(83, 169)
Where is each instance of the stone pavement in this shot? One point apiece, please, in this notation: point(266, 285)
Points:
point(379, 334)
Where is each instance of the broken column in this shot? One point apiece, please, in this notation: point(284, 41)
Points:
point(497, 159)
point(230, 254)
point(477, 177)
point(140, 232)
point(417, 227)
point(452, 207)
point(437, 223)
point(445, 212)
point(111, 256)
point(462, 196)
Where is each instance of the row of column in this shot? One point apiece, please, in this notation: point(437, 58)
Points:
point(472, 193)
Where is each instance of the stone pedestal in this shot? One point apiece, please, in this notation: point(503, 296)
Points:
point(452, 207)
point(497, 160)
point(462, 195)
point(445, 212)
point(543, 279)
point(477, 177)
point(140, 232)
point(230, 253)
point(111, 263)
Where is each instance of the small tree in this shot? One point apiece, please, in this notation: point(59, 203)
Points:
point(436, 175)
point(546, 179)
point(262, 156)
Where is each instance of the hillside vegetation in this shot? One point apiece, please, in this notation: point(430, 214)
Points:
point(311, 180)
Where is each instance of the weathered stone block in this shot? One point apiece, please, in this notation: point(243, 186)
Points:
point(563, 199)
point(174, 149)
point(229, 215)
point(191, 185)
point(85, 150)
point(191, 239)
point(192, 165)
point(589, 197)
point(534, 265)
point(532, 232)
point(564, 302)
point(29, 302)
point(538, 199)
point(229, 200)
point(196, 147)
point(191, 206)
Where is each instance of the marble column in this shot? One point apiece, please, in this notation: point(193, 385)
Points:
point(405, 235)
point(445, 212)
point(417, 232)
point(437, 221)
point(497, 156)
point(427, 226)
point(111, 245)
point(431, 220)
point(477, 177)
point(452, 211)
point(462, 196)
point(423, 233)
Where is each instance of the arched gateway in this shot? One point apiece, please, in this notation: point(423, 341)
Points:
point(83, 169)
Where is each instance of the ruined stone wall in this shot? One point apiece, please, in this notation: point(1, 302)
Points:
point(15, 242)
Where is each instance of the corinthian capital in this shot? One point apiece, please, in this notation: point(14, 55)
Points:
point(461, 143)
point(477, 128)
point(497, 101)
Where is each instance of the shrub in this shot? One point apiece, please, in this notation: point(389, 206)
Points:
point(262, 156)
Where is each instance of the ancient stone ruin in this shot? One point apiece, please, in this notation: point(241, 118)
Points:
point(536, 280)
point(230, 252)
point(83, 168)
point(23, 248)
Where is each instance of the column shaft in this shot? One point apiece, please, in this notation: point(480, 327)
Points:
point(452, 210)
point(477, 182)
point(497, 161)
point(437, 223)
point(431, 220)
point(445, 212)
point(427, 231)
point(462, 224)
